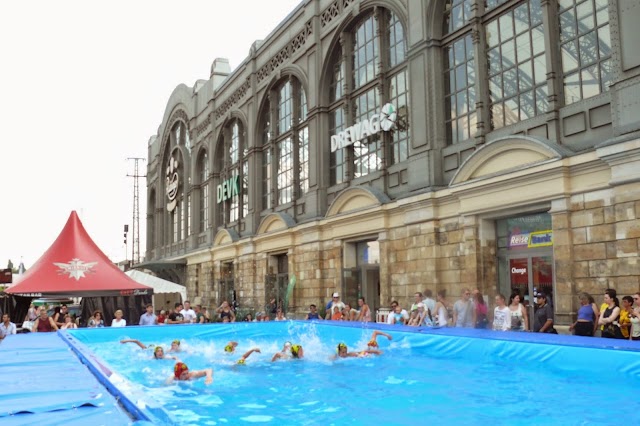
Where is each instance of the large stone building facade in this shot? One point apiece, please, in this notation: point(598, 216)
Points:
point(379, 148)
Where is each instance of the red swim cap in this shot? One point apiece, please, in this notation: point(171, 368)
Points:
point(179, 368)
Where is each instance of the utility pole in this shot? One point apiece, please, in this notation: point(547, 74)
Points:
point(135, 231)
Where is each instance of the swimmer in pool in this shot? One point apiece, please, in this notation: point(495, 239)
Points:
point(246, 355)
point(289, 351)
point(175, 345)
point(158, 353)
point(230, 347)
point(373, 342)
point(343, 352)
point(182, 373)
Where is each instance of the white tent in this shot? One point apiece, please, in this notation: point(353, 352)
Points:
point(159, 285)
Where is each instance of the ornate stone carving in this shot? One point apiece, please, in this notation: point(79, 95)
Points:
point(285, 53)
point(333, 11)
point(233, 99)
point(203, 126)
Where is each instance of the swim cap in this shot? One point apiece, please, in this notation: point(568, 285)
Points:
point(155, 350)
point(295, 349)
point(177, 342)
point(240, 361)
point(372, 343)
point(228, 348)
point(341, 345)
point(179, 368)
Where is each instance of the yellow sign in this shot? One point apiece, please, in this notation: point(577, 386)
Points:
point(541, 239)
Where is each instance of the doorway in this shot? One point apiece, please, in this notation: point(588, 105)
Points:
point(361, 275)
point(276, 282)
point(525, 258)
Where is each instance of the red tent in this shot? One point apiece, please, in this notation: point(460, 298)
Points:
point(74, 266)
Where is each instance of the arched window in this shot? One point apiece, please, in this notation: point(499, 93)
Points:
point(512, 37)
point(233, 164)
point(367, 72)
point(203, 174)
point(285, 145)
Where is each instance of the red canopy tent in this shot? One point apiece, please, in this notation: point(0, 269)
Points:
point(74, 266)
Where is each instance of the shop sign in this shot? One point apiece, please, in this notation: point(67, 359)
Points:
point(172, 184)
point(541, 239)
point(228, 189)
point(368, 127)
point(519, 240)
point(518, 271)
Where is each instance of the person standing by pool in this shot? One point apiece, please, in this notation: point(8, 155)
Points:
point(68, 323)
point(543, 318)
point(176, 317)
point(313, 313)
point(417, 298)
point(519, 319)
point(182, 373)
point(442, 309)
point(44, 324)
point(625, 316)
point(464, 312)
point(335, 301)
point(280, 315)
point(364, 314)
point(188, 314)
point(501, 315)
point(148, 318)
point(429, 301)
point(585, 324)
point(118, 321)
point(481, 309)
point(635, 318)
point(96, 320)
point(6, 327)
point(225, 312)
point(610, 315)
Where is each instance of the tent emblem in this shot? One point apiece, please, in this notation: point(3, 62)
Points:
point(76, 268)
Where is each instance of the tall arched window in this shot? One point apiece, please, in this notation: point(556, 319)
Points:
point(285, 144)
point(203, 174)
point(233, 164)
point(512, 37)
point(368, 70)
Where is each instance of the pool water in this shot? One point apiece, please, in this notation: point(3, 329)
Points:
point(419, 378)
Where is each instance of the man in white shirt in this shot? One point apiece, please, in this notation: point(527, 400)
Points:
point(429, 301)
point(188, 314)
point(391, 318)
point(335, 301)
point(6, 327)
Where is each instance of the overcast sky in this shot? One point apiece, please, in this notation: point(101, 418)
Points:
point(83, 85)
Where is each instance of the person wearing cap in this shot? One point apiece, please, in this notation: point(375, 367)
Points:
point(289, 351)
point(335, 301)
point(372, 344)
point(543, 317)
point(182, 373)
point(175, 345)
point(230, 347)
point(343, 352)
point(246, 355)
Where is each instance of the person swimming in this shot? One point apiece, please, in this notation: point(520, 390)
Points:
point(246, 355)
point(158, 351)
point(372, 347)
point(181, 372)
point(289, 351)
point(230, 347)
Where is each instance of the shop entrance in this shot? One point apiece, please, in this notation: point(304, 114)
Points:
point(361, 275)
point(525, 258)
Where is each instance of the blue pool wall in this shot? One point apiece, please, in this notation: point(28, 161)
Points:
point(564, 355)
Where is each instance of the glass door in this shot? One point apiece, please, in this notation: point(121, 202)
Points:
point(527, 275)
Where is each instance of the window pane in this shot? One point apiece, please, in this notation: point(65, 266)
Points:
point(338, 158)
point(303, 159)
point(460, 95)
point(590, 77)
point(365, 50)
point(397, 45)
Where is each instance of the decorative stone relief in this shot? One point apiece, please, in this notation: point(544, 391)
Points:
point(238, 94)
point(286, 53)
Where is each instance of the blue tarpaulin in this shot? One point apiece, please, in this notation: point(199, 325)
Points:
point(43, 382)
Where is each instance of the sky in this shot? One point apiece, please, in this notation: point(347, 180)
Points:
point(83, 86)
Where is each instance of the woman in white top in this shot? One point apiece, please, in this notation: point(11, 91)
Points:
point(441, 309)
point(280, 315)
point(501, 315)
point(118, 321)
point(519, 317)
point(68, 323)
point(364, 314)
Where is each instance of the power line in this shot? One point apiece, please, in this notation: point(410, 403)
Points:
point(135, 245)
